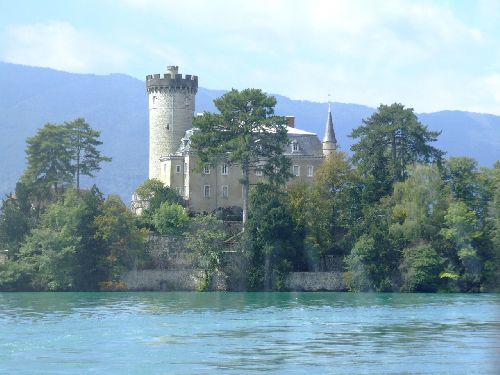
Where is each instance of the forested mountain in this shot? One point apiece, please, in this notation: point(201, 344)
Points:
point(116, 105)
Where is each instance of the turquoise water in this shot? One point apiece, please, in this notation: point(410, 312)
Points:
point(247, 333)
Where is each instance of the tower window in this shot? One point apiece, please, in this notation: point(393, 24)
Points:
point(310, 170)
point(206, 191)
point(296, 170)
point(225, 169)
point(168, 126)
point(154, 100)
point(225, 191)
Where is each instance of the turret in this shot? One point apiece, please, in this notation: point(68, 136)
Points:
point(171, 109)
point(329, 140)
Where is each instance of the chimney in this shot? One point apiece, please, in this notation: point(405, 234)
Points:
point(173, 69)
point(290, 121)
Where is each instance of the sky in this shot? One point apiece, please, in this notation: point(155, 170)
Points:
point(428, 55)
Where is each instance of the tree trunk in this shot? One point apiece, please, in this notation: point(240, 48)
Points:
point(245, 184)
point(78, 172)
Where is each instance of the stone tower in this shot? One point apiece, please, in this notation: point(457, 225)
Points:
point(329, 140)
point(171, 110)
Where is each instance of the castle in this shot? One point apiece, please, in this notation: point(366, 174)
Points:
point(171, 101)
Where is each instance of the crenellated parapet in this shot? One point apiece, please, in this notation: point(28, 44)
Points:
point(172, 81)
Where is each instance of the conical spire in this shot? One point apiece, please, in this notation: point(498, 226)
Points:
point(329, 140)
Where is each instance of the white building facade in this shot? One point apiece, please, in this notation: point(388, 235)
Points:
point(209, 187)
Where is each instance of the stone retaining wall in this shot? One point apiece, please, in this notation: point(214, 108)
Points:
point(188, 280)
point(316, 281)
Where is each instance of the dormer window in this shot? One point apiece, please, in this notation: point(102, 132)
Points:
point(295, 146)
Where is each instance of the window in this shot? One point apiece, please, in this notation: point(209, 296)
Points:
point(225, 191)
point(206, 169)
point(295, 146)
point(296, 170)
point(154, 100)
point(258, 172)
point(206, 191)
point(178, 168)
point(310, 170)
point(186, 168)
point(225, 169)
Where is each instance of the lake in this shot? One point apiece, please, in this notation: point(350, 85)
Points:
point(248, 333)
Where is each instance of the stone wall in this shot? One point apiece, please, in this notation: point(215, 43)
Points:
point(170, 253)
point(316, 281)
point(189, 280)
point(162, 280)
point(175, 270)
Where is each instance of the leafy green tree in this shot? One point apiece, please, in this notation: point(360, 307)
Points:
point(419, 205)
point(171, 219)
point(421, 268)
point(360, 265)
point(51, 255)
point(49, 159)
point(339, 187)
point(244, 133)
point(461, 227)
point(82, 146)
point(274, 242)
point(116, 228)
point(151, 194)
point(206, 239)
point(14, 225)
point(373, 253)
point(389, 141)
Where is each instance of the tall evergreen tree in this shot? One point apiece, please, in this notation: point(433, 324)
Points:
point(83, 142)
point(245, 133)
point(389, 141)
point(49, 158)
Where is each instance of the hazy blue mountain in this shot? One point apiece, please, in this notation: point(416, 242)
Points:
point(116, 105)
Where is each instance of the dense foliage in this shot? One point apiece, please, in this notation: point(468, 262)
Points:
point(397, 216)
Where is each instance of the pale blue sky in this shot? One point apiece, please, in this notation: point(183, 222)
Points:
point(430, 55)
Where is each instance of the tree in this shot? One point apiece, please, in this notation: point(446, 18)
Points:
point(421, 268)
point(274, 241)
point(49, 158)
point(360, 265)
point(83, 142)
point(171, 219)
point(206, 239)
point(245, 133)
point(419, 205)
point(461, 227)
point(151, 194)
point(122, 240)
point(389, 141)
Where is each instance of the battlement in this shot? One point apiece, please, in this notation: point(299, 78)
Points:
point(172, 80)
